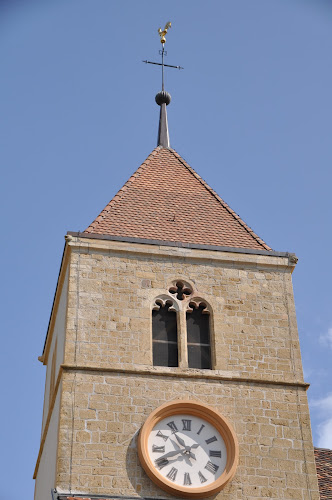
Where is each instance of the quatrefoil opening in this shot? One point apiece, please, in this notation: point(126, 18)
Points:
point(181, 290)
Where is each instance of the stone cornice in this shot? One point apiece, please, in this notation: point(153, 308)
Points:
point(189, 373)
point(258, 259)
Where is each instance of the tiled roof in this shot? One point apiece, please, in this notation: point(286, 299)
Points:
point(323, 459)
point(165, 199)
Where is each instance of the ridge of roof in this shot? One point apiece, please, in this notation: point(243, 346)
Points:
point(224, 232)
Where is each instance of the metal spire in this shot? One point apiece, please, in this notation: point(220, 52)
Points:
point(163, 98)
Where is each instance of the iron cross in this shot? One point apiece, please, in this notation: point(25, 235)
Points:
point(163, 53)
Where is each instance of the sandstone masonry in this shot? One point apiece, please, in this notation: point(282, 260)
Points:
point(106, 386)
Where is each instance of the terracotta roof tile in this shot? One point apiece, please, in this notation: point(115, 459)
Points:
point(323, 459)
point(165, 199)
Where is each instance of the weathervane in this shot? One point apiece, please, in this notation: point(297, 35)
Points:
point(163, 33)
point(163, 52)
point(163, 98)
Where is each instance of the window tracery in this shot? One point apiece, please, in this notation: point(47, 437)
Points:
point(181, 328)
point(181, 290)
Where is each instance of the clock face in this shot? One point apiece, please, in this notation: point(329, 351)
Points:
point(188, 449)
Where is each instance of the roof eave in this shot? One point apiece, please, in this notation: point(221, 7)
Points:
point(181, 244)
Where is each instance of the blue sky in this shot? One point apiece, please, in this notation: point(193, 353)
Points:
point(251, 113)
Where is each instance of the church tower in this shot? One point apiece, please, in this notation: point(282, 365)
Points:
point(172, 352)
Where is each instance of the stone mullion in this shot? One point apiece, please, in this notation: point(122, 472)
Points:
point(182, 339)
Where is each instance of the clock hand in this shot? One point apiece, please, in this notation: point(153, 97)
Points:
point(170, 454)
point(180, 440)
point(175, 444)
point(187, 459)
point(187, 449)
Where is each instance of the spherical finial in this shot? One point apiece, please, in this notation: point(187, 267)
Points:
point(163, 97)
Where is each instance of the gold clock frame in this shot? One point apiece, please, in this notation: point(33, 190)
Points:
point(207, 413)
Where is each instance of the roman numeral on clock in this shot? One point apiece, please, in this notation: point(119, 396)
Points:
point(215, 453)
point(210, 440)
point(201, 428)
point(172, 426)
point(161, 435)
point(159, 449)
point(161, 462)
point(172, 474)
point(186, 479)
point(211, 467)
point(201, 477)
point(186, 425)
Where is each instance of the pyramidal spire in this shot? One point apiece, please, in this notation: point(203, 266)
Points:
point(163, 98)
point(150, 207)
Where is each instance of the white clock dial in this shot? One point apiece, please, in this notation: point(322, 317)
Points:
point(187, 450)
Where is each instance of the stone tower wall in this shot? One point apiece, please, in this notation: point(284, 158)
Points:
point(112, 291)
point(271, 422)
point(109, 385)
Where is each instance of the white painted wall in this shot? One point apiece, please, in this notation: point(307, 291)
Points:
point(59, 335)
point(45, 480)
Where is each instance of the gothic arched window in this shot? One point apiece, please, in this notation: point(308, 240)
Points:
point(164, 334)
point(198, 336)
point(182, 328)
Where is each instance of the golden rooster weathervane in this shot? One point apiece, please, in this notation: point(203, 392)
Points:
point(163, 98)
point(162, 33)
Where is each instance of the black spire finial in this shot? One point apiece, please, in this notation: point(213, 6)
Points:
point(163, 98)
